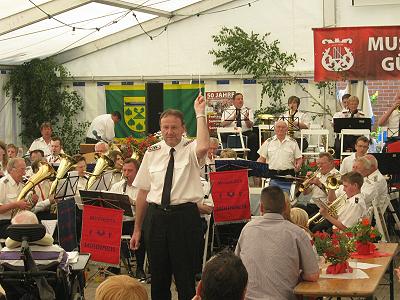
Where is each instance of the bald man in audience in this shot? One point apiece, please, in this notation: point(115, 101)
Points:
point(101, 147)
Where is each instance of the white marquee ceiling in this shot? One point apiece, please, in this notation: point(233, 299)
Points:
point(71, 28)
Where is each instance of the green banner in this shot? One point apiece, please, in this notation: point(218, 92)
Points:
point(181, 97)
point(130, 102)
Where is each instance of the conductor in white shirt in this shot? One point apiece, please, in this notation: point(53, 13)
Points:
point(102, 128)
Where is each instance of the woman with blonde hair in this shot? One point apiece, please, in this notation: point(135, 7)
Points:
point(299, 217)
point(3, 158)
point(121, 287)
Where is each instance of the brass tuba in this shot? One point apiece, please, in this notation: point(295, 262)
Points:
point(103, 163)
point(333, 210)
point(45, 171)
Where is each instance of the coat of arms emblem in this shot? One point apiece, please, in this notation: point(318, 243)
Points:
point(338, 56)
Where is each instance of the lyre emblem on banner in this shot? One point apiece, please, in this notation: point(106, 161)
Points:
point(135, 113)
point(338, 56)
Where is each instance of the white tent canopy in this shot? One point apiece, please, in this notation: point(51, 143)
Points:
point(40, 28)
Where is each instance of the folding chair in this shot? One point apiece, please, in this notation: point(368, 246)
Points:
point(236, 131)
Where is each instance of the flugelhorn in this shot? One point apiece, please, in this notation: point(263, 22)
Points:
point(333, 209)
point(333, 182)
point(307, 183)
point(45, 171)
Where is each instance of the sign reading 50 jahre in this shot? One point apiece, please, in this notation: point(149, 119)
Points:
point(358, 53)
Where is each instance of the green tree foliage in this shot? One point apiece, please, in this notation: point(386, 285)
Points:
point(37, 88)
point(254, 54)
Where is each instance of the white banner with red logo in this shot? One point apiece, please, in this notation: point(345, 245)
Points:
point(359, 53)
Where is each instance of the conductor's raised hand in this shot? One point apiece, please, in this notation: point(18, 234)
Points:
point(200, 104)
point(135, 240)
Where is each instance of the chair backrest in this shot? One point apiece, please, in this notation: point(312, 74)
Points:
point(232, 130)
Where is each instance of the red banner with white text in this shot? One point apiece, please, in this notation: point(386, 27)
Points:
point(230, 192)
point(359, 53)
point(101, 233)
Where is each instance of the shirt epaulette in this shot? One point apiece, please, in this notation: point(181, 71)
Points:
point(154, 148)
point(5, 180)
point(356, 200)
point(292, 139)
point(187, 143)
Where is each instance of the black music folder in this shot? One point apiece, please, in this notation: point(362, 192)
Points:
point(351, 123)
point(257, 169)
point(108, 200)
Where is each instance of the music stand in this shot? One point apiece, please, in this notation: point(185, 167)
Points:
point(103, 181)
point(293, 121)
point(351, 123)
point(108, 200)
point(243, 112)
point(389, 164)
point(255, 168)
point(66, 187)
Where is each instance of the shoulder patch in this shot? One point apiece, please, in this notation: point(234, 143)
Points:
point(187, 142)
point(356, 200)
point(6, 180)
point(154, 148)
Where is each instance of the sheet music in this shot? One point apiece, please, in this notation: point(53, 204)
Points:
point(67, 186)
point(103, 182)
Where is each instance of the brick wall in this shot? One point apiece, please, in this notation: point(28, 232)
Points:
point(387, 91)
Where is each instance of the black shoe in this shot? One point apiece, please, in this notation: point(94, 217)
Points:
point(140, 275)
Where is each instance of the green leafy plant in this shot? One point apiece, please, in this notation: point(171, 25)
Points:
point(254, 54)
point(41, 96)
point(364, 232)
point(335, 248)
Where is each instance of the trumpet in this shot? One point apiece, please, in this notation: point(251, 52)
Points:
point(307, 183)
point(333, 209)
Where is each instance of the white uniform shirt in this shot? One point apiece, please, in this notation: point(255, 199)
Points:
point(207, 199)
point(280, 155)
point(130, 190)
point(316, 192)
point(347, 164)
point(352, 210)
point(186, 185)
point(340, 114)
point(302, 117)
point(104, 127)
point(40, 144)
point(9, 191)
point(393, 123)
point(375, 189)
point(230, 111)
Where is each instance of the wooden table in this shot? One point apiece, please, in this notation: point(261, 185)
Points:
point(354, 287)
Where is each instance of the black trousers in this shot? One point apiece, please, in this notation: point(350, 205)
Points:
point(172, 237)
point(3, 226)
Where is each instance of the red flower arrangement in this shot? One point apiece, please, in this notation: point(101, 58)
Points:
point(336, 249)
point(365, 235)
point(138, 146)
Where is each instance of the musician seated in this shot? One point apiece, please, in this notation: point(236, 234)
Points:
point(34, 155)
point(116, 157)
point(340, 114)
point(296, 120)
point(316, 186)
point(239, 116)
point(101, 147)
point(361, 146)
point(56, 150)
point(80, 167)
point(374, 188)
point(348, 211)
point(10, 187)
point(209, 165)
point(129, 170)
point(228, 153)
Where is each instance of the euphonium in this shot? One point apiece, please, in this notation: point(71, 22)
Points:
point(102, 164)
point(333, 210)
point(307, 183)
point(45, 172)
point(66, 163)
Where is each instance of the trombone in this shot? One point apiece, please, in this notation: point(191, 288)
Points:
point(333, 210)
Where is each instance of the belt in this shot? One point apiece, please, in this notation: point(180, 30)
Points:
point(282, 172)
point(172, 207)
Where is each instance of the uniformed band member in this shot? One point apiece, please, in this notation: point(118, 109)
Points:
point(391, 118)
point(281, 152)
point(124, 186)
point(169, 188)
point(340, 114)
point(316, 190)
point(237, 115)
point(56, 150)
point(298, 119)
point(361, 146)
point(209, 165)
point(375, 188)
point(43, 143)
point(10, 187)
point(353, 209)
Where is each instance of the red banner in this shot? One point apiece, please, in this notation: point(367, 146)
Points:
point(361, 53)
point(101, 233)
point(230, 192)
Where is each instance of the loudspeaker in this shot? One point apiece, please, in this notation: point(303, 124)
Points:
point(154, 105)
